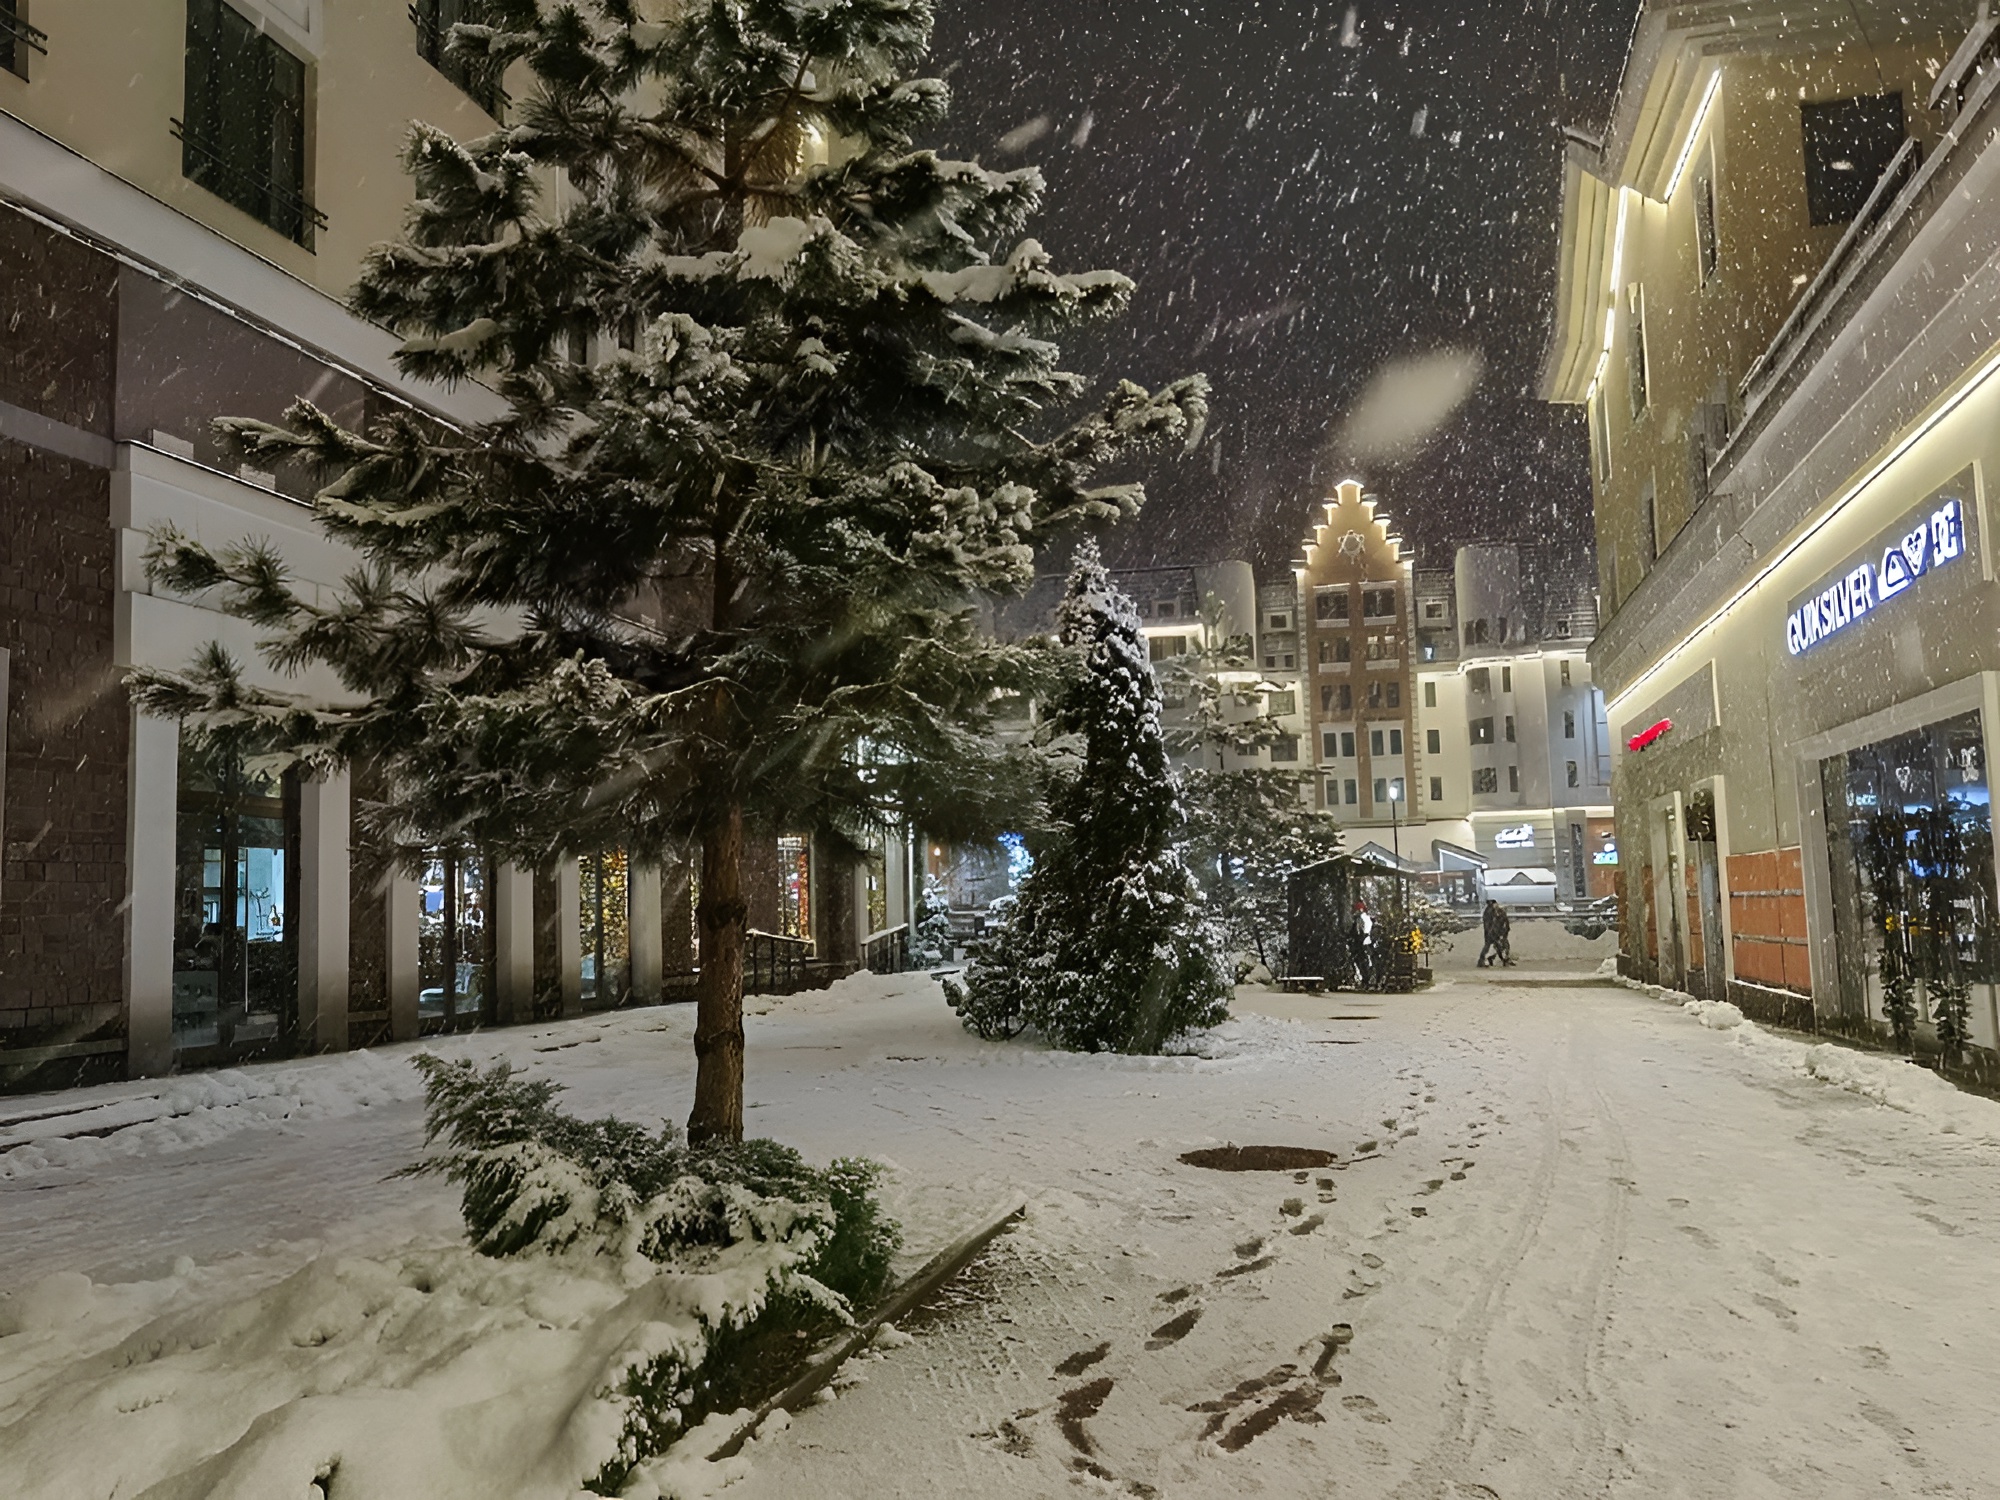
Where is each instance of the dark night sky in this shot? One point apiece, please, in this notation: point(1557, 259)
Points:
point(1290, 231)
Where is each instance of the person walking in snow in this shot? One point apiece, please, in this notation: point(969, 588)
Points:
point(1495, 925)
point(1364, 945)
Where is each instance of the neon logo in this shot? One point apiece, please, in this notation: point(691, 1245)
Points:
point(1645, 739)
point(1929, 546)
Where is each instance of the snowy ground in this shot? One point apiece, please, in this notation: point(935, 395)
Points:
point(1578, 1242)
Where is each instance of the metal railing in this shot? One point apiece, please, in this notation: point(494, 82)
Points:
point(888, 952)
point(479, 81)
point(256, 193)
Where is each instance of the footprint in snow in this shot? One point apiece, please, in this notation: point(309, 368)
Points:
point(1175, 1329)
point(1077, 1363)
point(1367, 1410)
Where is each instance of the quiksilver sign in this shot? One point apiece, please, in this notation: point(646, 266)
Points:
point(1930, 544)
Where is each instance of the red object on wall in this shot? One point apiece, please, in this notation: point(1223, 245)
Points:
point(1647, 738)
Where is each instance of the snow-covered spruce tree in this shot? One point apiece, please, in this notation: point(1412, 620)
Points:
point(930, 942)
point(1110, 948)
point(1248, 828)
point(770, 428)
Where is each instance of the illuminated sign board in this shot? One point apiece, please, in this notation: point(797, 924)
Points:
point(1645, 739)
point(1866, 587)
point(1522, 837)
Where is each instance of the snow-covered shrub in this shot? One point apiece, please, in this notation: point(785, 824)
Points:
point(794, 1248)
point(931, 943)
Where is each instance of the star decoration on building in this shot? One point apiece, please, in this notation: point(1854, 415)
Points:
point(1353, 544)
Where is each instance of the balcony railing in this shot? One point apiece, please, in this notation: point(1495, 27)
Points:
point(256, 193)
point(480, 81)
point(17, 40)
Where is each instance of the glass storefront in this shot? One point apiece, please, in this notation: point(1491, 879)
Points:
point(604, 924)
point(794, 887)
point(1910, 848)
point(235, 872)
point(453, 941)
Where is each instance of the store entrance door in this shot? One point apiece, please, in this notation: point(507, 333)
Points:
point(1669, 891)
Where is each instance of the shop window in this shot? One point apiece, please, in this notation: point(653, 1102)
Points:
point(1434, 741)
point(1485, 781)
point(243, 130)
point(1849, 144)
point(1437, 789)
point(1331, 603)
point(1430, 695)
point(1482, 731)
point(604, 923)
point(477, 78)
point(236, 965)
point(453, 940)
point(795, 887)
point(1285, 748)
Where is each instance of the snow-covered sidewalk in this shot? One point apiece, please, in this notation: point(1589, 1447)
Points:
point(1572, 1243)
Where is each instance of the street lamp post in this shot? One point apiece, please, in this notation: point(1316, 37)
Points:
point(1395, 826)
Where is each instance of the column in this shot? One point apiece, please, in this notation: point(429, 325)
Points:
point(648, 934)
point(152, 796)
point(405, 900)
point(513, 944)
point(323, 916)
point(569, 935)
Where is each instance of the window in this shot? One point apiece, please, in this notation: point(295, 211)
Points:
point(1347, 743)
point(1482, 731)
point(1284, 748)
point(1396, 789)
point(1569, 717)
point(1485, 781)
point(1849, 145)
point(1282, 704)
point(1331, 604)
point(1513, 778)
point(1437, 789)
point(1381, 790)
point(1565, 665)
point(1329, 744)
point(1335, 649)
point(18, 39)
point(1382, 646)
point(1433, 742)
point(1374, 742)
point(1165, 647)
point(1510, 728)
point(1332, 699)
point(1476, 633)
point(1562, 629)
point(244, 132)
point(478, 78)
point(1290, 661)
point(1575, 776)
point(1395, 742)
point(1635, 348)
point(1378, 604)
point(1353, 793)
point(1433, 610)
point(1480, 679)
point(1506, 679)
point(1708, 249)
point(1600, 435)
point(1281, 622)
point(1395, 695)
point(1167, 609)
point(1430, 695)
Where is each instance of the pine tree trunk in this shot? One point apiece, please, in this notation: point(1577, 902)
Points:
point(724, 918)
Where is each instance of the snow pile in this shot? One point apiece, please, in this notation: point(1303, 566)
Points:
point(1609, 968)
point(1886, 1078)
point(434, 1372)
point(205, 1107)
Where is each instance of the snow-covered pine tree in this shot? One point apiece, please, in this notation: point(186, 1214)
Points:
point(771, 426)
point(1110, 947)
point(930, 942)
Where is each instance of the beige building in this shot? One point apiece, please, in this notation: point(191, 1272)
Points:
point(1778, 306)
point(187, 189)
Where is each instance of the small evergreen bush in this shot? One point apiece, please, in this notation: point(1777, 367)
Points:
point(537, 1180)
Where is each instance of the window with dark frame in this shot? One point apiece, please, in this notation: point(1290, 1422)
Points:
point(1437, 789)
point(1849, 144)
point(1513, 778)
point(18, 39)
point(1430, 695)
point(1433, 742)
point(1485, 781)
point(243, 130)
point(1482, 731)
point(1331, 604)
point(477, 78)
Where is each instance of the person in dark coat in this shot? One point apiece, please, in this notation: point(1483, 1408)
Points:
point(1496, 925)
